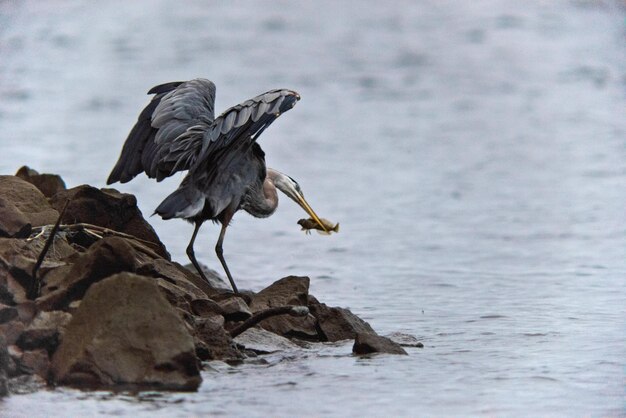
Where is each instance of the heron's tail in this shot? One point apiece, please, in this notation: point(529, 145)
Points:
point(185, 202)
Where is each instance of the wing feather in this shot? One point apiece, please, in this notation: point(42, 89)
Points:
point(153, 143)
point(235, 130)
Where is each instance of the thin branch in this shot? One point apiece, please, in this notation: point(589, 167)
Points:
point(36, 284)
point(267, 313)
point(95, 231)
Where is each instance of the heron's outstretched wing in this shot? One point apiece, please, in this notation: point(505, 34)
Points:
point(230, 161)
point(235, 130)
point(156, 143)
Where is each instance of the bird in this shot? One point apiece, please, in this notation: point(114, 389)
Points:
point(226, 171)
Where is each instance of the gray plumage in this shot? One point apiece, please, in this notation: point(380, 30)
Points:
point(177, 131)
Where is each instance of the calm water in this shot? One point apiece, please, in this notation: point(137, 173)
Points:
point(473, 152)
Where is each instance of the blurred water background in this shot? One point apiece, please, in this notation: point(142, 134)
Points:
point(473, 153)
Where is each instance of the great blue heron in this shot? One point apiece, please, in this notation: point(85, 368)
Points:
point(178, 131)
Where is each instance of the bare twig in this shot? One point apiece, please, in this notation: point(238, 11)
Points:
point(267, 313)
point(36, 284)
point(95, 231)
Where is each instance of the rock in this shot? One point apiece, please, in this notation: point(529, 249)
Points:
point(25, 384)
point(215, 280)
point(17, 260)
point(107, 208)
point(108, 256)
point(264, 342)
point(337, 324)
point(291, 290)
point(13, 223)
point(35, 362)
point(217, 344)
point(22, 204)
point(367, 343)
point(205, 307)
point(7, 313)
point(234, 309)
point(4, 366)
point(45, 331)
point(48, 184)
point(12, 331)
point(175, 281)
point(125, 332)
point(15, 358)
point(39, 338)
point(405, 340)
point(26, 311)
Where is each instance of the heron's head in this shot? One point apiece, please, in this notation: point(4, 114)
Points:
point(292, 189)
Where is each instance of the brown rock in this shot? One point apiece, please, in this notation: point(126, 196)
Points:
point(337, 324)
point(4, 367)
point(12, 331)
point(44, 331)
point(48, 184)
point(216, 342)
point(26, 311)
point(7, 313)
point(13, 223)
point(264, 342)
point(367, 343)
point(35, 362)
point(205, 307)
point(215, 280)
point(27, 204)
point(107, 208)
point(291, 290)
point(108, 256)
point(39, 338)
point(234, 309)
point(125, 332)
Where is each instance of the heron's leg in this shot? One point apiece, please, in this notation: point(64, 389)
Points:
point(220, 254)
point(192, 255)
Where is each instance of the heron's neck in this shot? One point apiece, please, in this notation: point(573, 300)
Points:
point(263, 204)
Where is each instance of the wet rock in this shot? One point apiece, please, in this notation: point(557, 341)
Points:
point(22, 204)
point(405, 340)
point(26, 384)
point(4, 366)
point(216, 342)
point(48, 184)
point(107, 208)
point(125, 332)
point(337, 324)
point(291, 290)
point(367, 343)
point(263, 342)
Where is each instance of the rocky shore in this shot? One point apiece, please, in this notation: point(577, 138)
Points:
point(96, 302)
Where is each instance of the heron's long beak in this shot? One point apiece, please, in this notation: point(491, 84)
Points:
point(303, 203)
